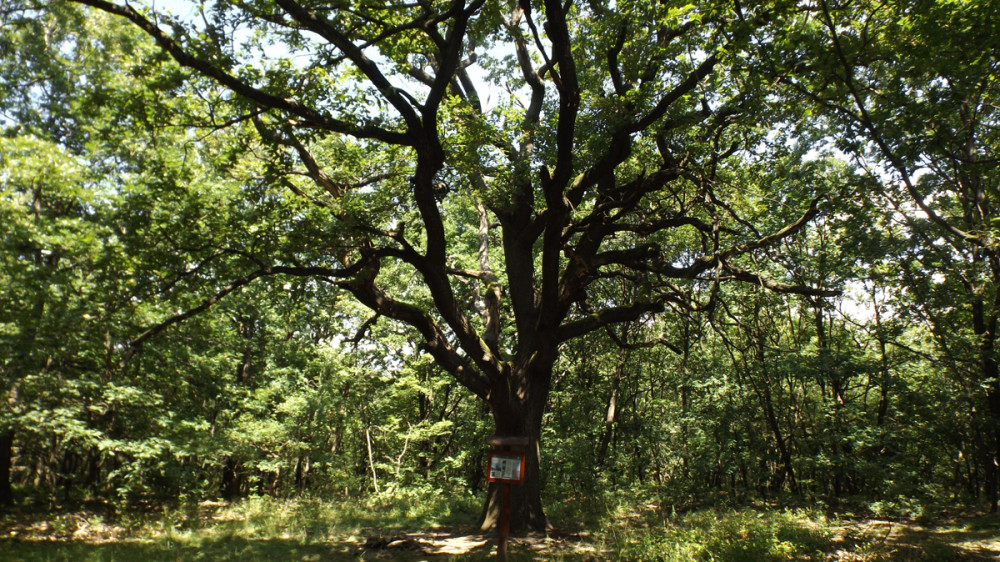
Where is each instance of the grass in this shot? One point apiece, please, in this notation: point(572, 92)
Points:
point(417, 527)
point(647, 532)
point(258, 528)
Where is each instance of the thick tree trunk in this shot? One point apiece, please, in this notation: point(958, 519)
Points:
point(519, 414)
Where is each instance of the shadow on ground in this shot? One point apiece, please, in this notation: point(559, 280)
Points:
point(408, 546)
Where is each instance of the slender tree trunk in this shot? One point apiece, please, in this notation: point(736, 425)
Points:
point(883, 403)
point(371, 459)
point(763, 391)
point(992, 440)
point(93, 470)
point(231, 487)
point(685, 400)
point(6, 459)
point(985, 327)
point(779, 439)
point(299, 474)
point(609, 419)
point(232, 480)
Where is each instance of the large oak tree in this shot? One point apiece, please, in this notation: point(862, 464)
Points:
point(519, 159)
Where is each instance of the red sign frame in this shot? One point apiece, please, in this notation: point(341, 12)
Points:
point(504, 469)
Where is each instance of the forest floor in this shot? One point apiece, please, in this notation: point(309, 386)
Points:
point(262, 529)
point(954, 538)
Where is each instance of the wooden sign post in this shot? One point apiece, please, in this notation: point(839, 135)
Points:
point(506, 467)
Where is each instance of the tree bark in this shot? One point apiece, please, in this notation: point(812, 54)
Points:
point(232, 480)
point(609, 419)
point(985, 327)
point(517, 412)
point(992, 440)
point(763, 391)
point(6, 458)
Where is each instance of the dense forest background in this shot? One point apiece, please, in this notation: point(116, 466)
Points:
point(153, 349)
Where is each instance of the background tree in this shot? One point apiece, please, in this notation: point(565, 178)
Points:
point(909, 91)
point(61, 302)
point(50, 248)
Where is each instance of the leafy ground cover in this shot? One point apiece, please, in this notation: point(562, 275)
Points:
point(424, 527)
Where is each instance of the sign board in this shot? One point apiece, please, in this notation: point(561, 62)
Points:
point(506, 467)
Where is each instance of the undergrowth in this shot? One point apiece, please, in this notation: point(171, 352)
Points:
point(730, 535)
point(614, 526)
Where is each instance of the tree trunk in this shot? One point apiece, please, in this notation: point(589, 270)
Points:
point(985, 327)
point(779, 440)
point(93, 471)
point(763, 392)
point(993, 442)
point(232, 484)
point(609, 419)
point(518, 413)
point(6, 458)
point(883, 403)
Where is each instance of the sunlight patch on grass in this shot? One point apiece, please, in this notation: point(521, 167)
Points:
point(401, 527)
point(730, 535)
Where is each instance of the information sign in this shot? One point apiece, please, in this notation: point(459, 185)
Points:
point(506, 467)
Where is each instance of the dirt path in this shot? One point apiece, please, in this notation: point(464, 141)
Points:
point(441, 543)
